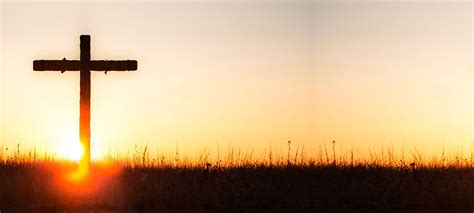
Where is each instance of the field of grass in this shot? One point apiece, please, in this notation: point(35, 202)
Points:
point(237, 184)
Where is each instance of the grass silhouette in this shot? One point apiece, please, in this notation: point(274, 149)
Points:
point(237, 182)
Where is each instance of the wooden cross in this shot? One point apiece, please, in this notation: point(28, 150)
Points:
point(84, 66)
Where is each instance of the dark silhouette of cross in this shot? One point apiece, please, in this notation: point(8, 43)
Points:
point(84, 66)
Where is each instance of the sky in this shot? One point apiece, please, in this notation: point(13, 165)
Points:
point(251, 75)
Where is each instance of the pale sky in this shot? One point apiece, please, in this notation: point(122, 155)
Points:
point(243, 74)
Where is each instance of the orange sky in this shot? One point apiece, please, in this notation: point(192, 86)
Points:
point(246, 74)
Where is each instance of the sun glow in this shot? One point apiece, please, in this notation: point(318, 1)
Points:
point(71, 149)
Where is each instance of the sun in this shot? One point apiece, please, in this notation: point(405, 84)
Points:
point(71, 149)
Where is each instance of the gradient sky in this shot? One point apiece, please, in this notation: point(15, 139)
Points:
point(368, 75)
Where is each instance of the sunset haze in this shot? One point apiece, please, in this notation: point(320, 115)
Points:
point(249, 75)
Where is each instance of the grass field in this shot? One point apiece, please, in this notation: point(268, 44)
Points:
point(290, 184)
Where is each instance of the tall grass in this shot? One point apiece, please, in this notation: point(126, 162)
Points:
point(235, 157)
point(238, 181)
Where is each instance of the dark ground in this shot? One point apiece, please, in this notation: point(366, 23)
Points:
point(43, 187)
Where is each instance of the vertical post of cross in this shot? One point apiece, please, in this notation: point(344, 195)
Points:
point(85, 98)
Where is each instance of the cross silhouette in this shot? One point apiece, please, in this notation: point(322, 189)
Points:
point(84, 66)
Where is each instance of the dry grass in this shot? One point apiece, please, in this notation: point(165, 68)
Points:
point(238, 182)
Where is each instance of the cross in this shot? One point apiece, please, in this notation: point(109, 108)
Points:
point(84, 66)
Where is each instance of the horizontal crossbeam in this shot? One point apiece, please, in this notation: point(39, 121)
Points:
point(56, 65)
point(75, 65)
point(100, 65)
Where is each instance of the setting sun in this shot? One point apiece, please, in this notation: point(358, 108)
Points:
point(71, 149)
